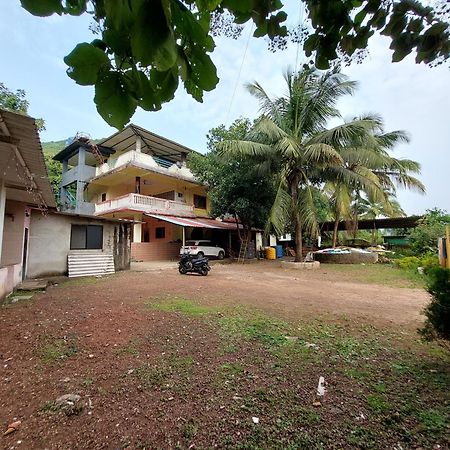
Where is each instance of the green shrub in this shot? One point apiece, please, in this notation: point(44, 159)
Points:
point(437, 324)
point(424, 238)
point(413, 262)
point(429, 261)
point(408, 262)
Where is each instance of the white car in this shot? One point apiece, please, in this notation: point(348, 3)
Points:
point(203, 248)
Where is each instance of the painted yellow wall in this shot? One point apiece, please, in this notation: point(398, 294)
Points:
point(151, 185)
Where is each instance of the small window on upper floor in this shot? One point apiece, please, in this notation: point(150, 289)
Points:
point(104, 197)
point(200, 201)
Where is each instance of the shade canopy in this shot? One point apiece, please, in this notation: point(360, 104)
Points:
point(150, 143)
point(22, 165)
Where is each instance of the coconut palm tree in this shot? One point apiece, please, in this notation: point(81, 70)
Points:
point(370, 158)
point(291, 141)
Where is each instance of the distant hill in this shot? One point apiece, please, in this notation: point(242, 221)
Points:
point(53, 147)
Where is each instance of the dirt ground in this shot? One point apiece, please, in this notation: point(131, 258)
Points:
point(149, 378)
point(290, 293)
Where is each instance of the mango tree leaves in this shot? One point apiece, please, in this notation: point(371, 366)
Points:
point(144, 47)
point(42, 8)
point(113, 99)
point(48, 7)
point(85, 62)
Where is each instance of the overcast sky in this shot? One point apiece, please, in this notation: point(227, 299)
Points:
point(410, 97)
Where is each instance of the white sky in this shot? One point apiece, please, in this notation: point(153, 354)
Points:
point(411, 97)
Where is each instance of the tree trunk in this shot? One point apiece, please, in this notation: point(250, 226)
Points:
point(298, 238)
point(297, 220)
point(335, 230)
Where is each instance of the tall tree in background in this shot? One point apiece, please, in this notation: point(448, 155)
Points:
point(234, 187)
point(17, 102)
point(143, 48)
point(291, 141)
point(371, 160)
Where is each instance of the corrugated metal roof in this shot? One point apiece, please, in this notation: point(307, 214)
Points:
point(23, 131)
point(84, 263)
point(196, 222)
point(151, 143)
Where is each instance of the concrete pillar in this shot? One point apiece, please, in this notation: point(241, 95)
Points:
point(137, 229)
point(81, 156)
point(65, 166)
point(139, 144)
point(2, 213)
point(80, 194)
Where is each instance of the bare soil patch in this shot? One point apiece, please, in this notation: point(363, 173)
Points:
point(161, 360)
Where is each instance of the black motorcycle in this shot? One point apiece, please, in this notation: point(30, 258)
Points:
point(190, 263)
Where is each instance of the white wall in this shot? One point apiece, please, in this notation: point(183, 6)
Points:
point(12, 247)
point(50, 242)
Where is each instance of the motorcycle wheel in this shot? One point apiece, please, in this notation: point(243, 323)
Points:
point(204, 271)
point(182, 270)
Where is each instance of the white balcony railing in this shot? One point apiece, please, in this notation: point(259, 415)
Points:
point(144, 203)
point(145, 161)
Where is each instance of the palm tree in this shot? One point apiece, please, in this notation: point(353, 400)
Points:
point(291, 141)
point(370, 158)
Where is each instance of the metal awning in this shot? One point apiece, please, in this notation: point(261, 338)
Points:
point(196, 222)
point(152, 143)
point(22, 162)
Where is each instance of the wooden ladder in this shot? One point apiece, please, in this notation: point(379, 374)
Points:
point(243, 250)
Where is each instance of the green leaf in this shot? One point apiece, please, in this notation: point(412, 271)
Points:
point(194, 90)
point(42, 8)
point(85, 62)
point(113, 99)
point(164, 84)
point(75, 7)
point(146, 96)
point(207, 5)
point(360, 17)
point(152, 39)
point(204, 73)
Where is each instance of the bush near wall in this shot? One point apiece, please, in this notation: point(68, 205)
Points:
point(437, 325)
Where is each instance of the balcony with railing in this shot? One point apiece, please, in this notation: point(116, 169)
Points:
point(144, 161)
point(146, 204)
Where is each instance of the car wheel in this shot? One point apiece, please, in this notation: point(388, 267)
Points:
point(200, 255)
point(221, 255)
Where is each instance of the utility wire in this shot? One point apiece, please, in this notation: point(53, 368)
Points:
point(239, 74)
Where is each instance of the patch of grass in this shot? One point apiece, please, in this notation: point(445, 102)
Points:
point(150, 376)
point(270, 332)
point(307, 416)
point(53, 350)
point(384, 274)
point(87, 382)
point(189, 430)
point(363, 438)
point(130, 349)
point(49, 407)
point(231, 369)
point(377, 403)
point(434, 421)
point(356, 373)
point(180, 305)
